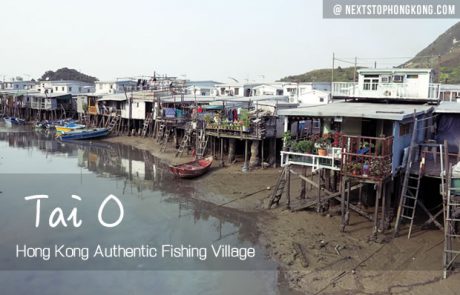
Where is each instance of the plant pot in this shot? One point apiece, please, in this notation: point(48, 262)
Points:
point(322, 152)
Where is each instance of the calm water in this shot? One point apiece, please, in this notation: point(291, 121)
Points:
point(158, 210)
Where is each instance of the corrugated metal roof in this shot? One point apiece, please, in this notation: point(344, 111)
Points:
point(448, 107)
point(394, 112)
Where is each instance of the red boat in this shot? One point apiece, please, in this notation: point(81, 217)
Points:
point(191, 169)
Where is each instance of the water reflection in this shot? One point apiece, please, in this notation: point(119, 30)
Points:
point(140, 174)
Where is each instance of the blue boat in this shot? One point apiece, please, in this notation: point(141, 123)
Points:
point(10, 121)
point(84, 134)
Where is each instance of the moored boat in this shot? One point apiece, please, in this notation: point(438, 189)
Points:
point(192, 169)
point(10, 121)
point(69, 127)
point(84, 134)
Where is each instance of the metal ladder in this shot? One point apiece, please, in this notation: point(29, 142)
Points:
point(202, 144)
point(451, 225)
point(409, 193)
point(277, 192)
point(185, 140)
point(147, 122)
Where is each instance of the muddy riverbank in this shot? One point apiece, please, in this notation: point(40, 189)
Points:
point(316, 258)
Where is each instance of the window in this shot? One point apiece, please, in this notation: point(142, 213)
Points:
point(222, 91)
point(237, 91)
point(70, 89)
point(404, 129)
point(62, 88)
point(79, 89)
point(385, 79)
point(111, 86)
point(370, 84)
point(100, 86)
point(412, 76)
point(321, 99)
point(398, 78)
point(56, 88)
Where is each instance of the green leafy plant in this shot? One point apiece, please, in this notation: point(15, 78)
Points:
point(287, 139)
point(244, 117)
point(304, 146)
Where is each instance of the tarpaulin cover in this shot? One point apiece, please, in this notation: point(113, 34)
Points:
point(449, 129)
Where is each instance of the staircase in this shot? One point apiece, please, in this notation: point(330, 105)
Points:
point(185, 140)
point(147, 123)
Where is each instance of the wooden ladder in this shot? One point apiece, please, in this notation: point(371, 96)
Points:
point(165, 140)
point(161, 132)
point(113, 122)
point(185, 140)
point(278, 190)
point(147, 122)
point(202, 144)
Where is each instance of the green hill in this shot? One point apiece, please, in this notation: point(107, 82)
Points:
point(443, 55)
point(67, 74)
point(323, 75)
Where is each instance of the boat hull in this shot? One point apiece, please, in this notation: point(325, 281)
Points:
point(84, 134)
point(191, 169)
point(10, 121)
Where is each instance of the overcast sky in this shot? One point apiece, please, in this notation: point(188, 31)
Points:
point(202, 39)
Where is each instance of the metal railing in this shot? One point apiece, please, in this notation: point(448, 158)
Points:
point(385, 90)
point(331, 161)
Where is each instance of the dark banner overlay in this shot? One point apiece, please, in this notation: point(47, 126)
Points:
point(72, 222)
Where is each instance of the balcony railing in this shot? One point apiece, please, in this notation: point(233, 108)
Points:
point(331, 161)
point(385, 90)
point(367, 157)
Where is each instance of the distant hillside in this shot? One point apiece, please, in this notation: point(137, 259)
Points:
point(67, 74)
point(443, 53)
point(322, 75)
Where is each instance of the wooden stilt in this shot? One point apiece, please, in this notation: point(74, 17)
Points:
point(222, 163)
point(288, 193)
point(376, 210)
point(318, 205)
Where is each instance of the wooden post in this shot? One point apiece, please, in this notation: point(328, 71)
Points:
point(245, 165)
point(376, 211)
point(384, 196)
point(303, 190)
point(222, 164)
point(288, 193)
point(262, 160)
point(342, 203)
point(318, 205)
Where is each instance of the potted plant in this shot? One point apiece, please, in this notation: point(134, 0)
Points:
point(357, 169)
point(207, 118)
point(322, 145)
point(245, 121)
